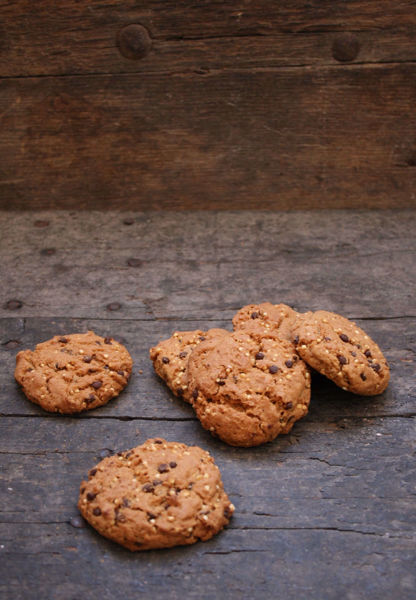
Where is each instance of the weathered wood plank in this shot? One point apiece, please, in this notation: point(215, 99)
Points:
point(77, 38)
point(323, 489)
point(335, 260)
point(262, 139)
point(146, 397)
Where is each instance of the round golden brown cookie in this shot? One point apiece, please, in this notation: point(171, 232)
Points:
point(170, 358)
point(247, 391)
point(76, 372)
point(264, 319)
point(340, 350)
point(158, 495)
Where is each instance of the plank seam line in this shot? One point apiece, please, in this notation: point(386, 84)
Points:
point(341, 530)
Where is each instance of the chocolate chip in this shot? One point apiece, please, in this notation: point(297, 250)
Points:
point(157, 482)
point(165, 360)
point(63, 340)
point(296, 340)
point(148, 487)
point(179, 391)
point(353, 354)
point(128, 221)
point(106, 452)
point(344, 337)
point(91, 496)
point(183, 354)
point(134, 262)
point(195, 394)
point(151, 515)
point(121, 373)
point(273, 369)
point(77, 522)
point(227, 512)
point(96, 511)
point(126, 502)
point(289, 364)
point(376, 367)
point(48, 251)
point(190, 485)
point(163, 468)
point(289, 405)
point(327, 339)
point(221, 382)
point(113, 306)
point(158, 441)
point(259, 356)
point(87, 359)
point(254, 315)
point(202, 338)
point(119, 516)
point(106, 367)
point(90, 398)
point(92, 472)
point(97, 384)
point(13, 304)
point(107, 340)
point(363, 377)
point(342, 359)
point(368, 353)
point(173, 464)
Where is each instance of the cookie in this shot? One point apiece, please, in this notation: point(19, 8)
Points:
point(247, 391)
point(170, 358)
point(157, 495)
point(72, 373)
point(260, 320)
point(340, 350)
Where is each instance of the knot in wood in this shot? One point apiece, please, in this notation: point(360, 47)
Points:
point(345, 47)
point(133, 41)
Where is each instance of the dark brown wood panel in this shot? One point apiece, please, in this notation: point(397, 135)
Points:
point(39, 38)
point(260, 139)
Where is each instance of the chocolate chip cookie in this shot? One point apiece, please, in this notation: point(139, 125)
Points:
point(170, 358)
point(340, 350)
point(158, 495)
point(246, 391)
point(260, 320)
point(72, 373)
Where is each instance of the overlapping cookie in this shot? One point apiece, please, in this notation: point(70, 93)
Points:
point(72, 373)
point(265, 319)
point(247, 391)
point(337, 348)
point(157, 495)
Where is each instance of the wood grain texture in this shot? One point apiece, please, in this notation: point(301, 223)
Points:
point(233, 106)
point(326, 510)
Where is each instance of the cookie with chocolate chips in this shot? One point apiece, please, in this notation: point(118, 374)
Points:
point(157, 495)
point(245, 390)
point(170, 358)
point(260, 320)
point(337, 348)
point(72, 373)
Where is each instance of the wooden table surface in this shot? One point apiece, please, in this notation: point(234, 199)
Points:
point(327, 511)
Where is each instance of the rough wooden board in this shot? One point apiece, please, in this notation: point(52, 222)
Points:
point(332, 137)
point(326, 511)
point(335, 260)
point(147, 397)
point(82, 38)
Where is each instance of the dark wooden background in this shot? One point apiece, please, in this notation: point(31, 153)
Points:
point(214, 104)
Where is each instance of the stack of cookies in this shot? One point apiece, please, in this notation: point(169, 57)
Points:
point(249, 385)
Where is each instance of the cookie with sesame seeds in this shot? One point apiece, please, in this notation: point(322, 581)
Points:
point(337, 348)
point(170, 358)
point(157, 495)
point(247, 391)
point(265, 319)
point(71, 373)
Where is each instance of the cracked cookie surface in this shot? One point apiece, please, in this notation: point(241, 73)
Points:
point(170, 358)
point(157, 495)
point(260, 320)
point(246, 391)
point(72, 373)
point(337, 348)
